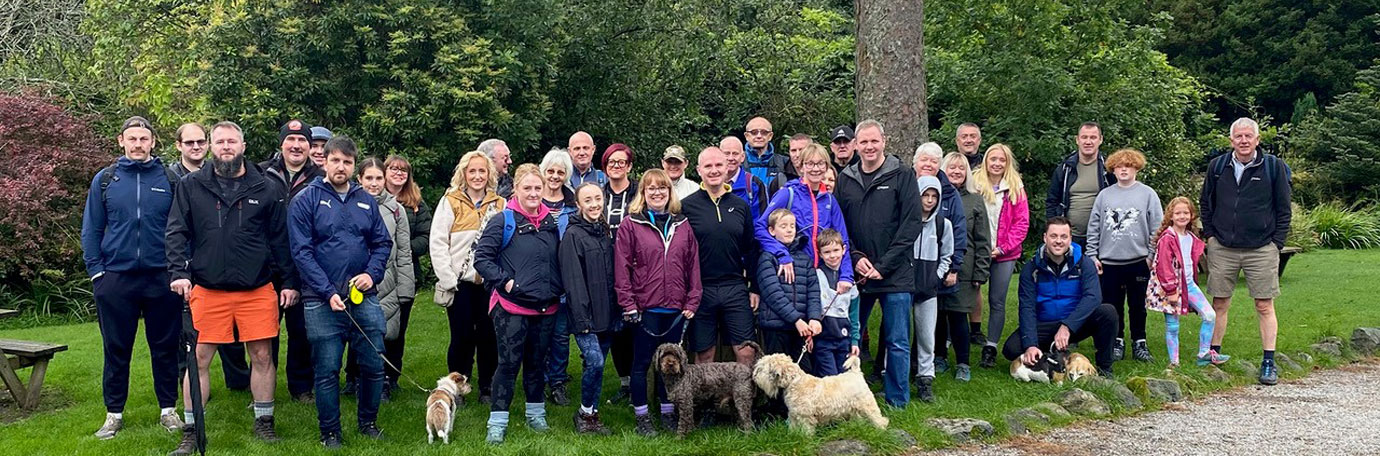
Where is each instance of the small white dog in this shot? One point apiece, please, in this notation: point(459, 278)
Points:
point(440, 405)
point(811, 400)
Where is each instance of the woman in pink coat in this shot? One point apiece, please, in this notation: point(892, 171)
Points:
point(1176, 256)
point(999, 183)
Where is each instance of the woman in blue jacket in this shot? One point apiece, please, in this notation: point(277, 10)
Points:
point(815, 210)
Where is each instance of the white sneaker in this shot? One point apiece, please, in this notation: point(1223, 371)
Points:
point(171, 422)
point(111, 427)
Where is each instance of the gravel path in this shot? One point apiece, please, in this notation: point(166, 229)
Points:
point(1329, 412)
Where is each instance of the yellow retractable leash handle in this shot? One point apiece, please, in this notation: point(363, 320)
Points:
point(356, 296)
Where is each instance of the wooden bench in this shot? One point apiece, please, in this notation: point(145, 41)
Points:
point(1284, 255)
point(19, 354)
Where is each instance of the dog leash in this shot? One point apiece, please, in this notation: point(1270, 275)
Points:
point(380, 354)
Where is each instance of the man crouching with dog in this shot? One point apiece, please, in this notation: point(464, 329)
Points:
point(1060, 302)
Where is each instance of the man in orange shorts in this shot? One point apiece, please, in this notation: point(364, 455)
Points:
point(228, 256)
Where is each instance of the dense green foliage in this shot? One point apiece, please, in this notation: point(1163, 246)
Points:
point(1342, 144)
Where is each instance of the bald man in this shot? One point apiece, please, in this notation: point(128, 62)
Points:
point(762, 160)
point(747, 186)
point(581, 148)
point(723, 226)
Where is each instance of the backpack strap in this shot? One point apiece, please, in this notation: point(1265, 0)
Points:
point(509, 227)
point(562, 222)
point(108, 177)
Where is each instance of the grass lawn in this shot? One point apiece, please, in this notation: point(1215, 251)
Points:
point(1325, 293)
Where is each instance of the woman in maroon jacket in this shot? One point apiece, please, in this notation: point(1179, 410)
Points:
point(656, 271)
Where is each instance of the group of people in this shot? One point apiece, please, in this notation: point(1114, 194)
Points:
point(789, 251)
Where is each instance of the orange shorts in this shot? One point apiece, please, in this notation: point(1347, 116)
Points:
point(217, 314)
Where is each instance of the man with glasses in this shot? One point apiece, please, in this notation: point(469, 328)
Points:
point(762, 160)
point(747, 186)
point(191, 147)
point(581, 148)
point(841, 144)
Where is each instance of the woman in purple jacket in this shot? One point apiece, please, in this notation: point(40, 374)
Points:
point(656, 270)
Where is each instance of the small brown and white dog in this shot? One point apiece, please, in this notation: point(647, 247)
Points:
point(1054, 366)
point(810, 400)
point(1079, 367)
point(441, 404)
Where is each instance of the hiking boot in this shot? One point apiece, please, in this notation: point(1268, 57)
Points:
point(624, 394)
point(111, 427)
point(538, 423)
point(590, 424)
point(188, 445)
point(308, 397)
point(1141, 352)
point(263, 429)
point(1106, 372)
point(977, 338)
point(1269, 374)
point(989, 357)
point(941, 365)
point(558, 395)
point(644, 426)
point(669, 421)
point(963, 373)
point(171, 422)
point(924, 388)
point(1118, 349)
point(1213, 358)
point(332, 440)
point(371, 430)
point(495, 435)
point(350, 388)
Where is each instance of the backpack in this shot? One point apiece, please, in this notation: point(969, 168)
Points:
point(510, 226)
point(108, 177)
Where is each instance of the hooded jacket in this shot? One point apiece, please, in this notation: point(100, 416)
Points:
point(785, 303)
point(419, 224)
point(951, 209)
point(276, 169)
point(653, 271)
point(529, 260)
point(883, 221)
point(455, 228)
point(814, 212)
point(616, 204)
point(934, 248)
point(766, 165)
point(1061, 184)
point(586, 259)
point(399, 282)
point(1067, 295)
point(122, 227)
point(1252, 213)
point(1013, 224)
point(230, 241)
point(978, 268)
point(334, 239)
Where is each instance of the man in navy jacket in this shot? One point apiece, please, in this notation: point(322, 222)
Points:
point(340, 246)
point(1061, 302)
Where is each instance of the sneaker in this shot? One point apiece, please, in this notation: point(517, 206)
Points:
point(371, 430)
point(1269, 374)
point(558, 395)
point(1141, 352)
point(386, 394)
point(1118, 349)
point(644, 426)
point(538, 423)
point(171, 422)
point(669, 421)
point(495, 435)
point(1106, 372)
point(924, 389)
point(263, 429)
point(187, 446)
point(941, 365)
point(1213, 358)
point(977, 338)
point(111, 427)
point(624, 394)
point(989, 357)
point(305, 398)
point(332, 440)
point(350, 388)
point(590, 424)
point(963, 373)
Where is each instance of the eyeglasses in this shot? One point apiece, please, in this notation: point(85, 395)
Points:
point(395, 169)
point(197, 143)
point(759, 132)
point(814, 164)
point(658, 189)
point(618, 163)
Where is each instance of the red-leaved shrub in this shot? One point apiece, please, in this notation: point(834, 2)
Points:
point(48, 157)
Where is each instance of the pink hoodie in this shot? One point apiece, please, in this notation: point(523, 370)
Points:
point(494, 298)
point(1012, 227)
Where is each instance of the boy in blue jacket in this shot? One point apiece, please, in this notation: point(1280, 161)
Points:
point(790, 311)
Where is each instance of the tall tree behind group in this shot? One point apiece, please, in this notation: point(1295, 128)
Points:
point(891, 71)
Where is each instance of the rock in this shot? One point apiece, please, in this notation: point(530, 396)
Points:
point(844, 447)
point(1083, 403)
point(1329, 348)
point(962, 429)
point(1124, 396)
point(906, 440)
point(1304, 357)
point(1164, 390)
point(1052, 410)
point(1214, 374)
point(1365, 341)
point(1284, 361)
point(1244, 367)
point(1017, 422)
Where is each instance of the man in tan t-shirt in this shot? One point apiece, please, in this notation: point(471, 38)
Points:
point(1076, 181)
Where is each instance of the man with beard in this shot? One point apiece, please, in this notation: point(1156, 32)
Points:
point(968, 139)
point(841, 144)
point(191, 148)
point(723, 226)
point(341, 245)
point(292, 169)
point(497, 150)
point(228, 257)
point(319, 136)
point(581, 148)
point(747, 186)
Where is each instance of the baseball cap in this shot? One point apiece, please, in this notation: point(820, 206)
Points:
point(675, 152)
point(841, 131)
point(320, 134)
point(136, 122)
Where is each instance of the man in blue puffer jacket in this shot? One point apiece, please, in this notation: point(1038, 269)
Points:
point(1061, 302)
point(122, 244)
point(340, 244)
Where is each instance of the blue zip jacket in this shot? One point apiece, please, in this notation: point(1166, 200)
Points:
point(1068, 295)
point(751, 189)
point(784, 303)
point(951, 209)
point(335, 239)
point(797, 197)
point(766, 164)
point(124, 230)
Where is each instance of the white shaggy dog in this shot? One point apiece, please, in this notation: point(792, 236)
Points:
point(441, 404)
point(811, 400)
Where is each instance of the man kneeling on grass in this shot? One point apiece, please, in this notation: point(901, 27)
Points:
point(1061, 302)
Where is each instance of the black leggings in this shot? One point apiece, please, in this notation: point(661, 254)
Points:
point(954, 327)
point(520, 347)
point(472, 334)
point(1124, 286)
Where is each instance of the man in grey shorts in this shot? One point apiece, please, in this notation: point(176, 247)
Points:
point(1245, 213)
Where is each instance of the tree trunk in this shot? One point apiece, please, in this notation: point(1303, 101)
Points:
point(891, 71)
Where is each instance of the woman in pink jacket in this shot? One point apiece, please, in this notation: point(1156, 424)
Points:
point(1176, 256)
point(999, 183)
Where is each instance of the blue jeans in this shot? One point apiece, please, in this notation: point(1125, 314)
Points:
point(328, 330)
point(896, 316)
point(829, 354)
point(558, 358)
point(593, 348)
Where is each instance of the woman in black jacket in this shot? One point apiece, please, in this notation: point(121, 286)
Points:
point(586, 256)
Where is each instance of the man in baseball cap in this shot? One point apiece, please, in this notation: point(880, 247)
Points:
point(673, 162)
point(319, 136)
point(841, 144)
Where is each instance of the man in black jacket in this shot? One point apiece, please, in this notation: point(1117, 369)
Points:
point(722, 223)
point(1076, 181)
point(1246, 216)
point(880, 200)
point(227, 249)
